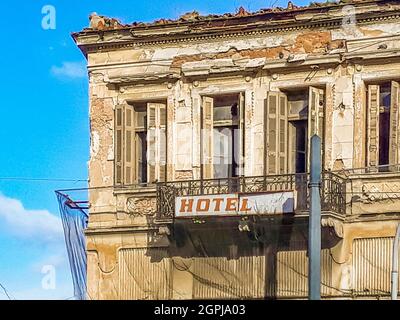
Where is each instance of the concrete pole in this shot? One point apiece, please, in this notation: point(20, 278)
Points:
point(314, 228)
point(395, 264)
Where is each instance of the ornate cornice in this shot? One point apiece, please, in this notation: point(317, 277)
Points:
point(131, 41)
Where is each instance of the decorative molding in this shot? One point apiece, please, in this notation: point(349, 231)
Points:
point(380, 191)
point(141, 206)
point(184, 175)
point(335, 224)
point(179, 38)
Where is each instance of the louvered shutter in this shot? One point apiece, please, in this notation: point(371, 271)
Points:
point(183, 141)
point(292, 147)
point(373, 125)
point(271, 131)
point(139, 158)
point(207, 137)
point(162, 142)
point(129, 154)
point(151, 142)
point(221, 156)
point(321, 122)
point(394, 124)
point(119, 142)
point(156, 142)
point(241, 152)
point(276, 135)
point(283, 134)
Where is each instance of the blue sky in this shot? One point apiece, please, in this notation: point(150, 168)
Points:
point(44, 131)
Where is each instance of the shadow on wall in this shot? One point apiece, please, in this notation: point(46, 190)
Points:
point(266, 262)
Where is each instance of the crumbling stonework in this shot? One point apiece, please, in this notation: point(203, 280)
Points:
point(291, 53)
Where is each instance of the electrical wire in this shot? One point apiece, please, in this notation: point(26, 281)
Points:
point(42, 179)
point(7, 292)
point(373, 43)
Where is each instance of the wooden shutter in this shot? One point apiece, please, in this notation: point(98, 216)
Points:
point(119, 142)
point(373, 126)
point(221, 154)
point(276, 131)
point(207, 137)
point(241, 152)
point(394, 124)
point(292, 148)
point(315, 118)
point(156, 142)
point(283, 135)
point(184, 142)
point(124, 145)
point(151, 142)
point(129, 138)
point(321, 118)
point(139, 158)
point(162, 142)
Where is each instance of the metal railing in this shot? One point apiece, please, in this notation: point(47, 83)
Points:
point(333, 190)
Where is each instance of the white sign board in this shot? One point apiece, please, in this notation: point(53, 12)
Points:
point(235, 204)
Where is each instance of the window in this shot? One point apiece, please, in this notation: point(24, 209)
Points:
point(140, 143)
point(222, 136)
point(291, 119)
point(298, 146)
point(383, 124)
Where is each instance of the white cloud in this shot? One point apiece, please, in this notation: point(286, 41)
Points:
point(42, 234)
point(72, 70)
point(38, 225)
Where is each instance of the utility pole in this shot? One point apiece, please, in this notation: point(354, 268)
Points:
point(314, 222)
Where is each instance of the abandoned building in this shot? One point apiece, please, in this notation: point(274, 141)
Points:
point(195, 121)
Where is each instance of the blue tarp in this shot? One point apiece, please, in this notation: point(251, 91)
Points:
point(75, 220)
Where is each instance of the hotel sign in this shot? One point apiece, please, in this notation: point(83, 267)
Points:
point(235, 204)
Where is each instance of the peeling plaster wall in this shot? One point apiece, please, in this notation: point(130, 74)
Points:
point(311, 42)
point(101, 164)
point(343, 122)
point(180, 73)
point(198, 59)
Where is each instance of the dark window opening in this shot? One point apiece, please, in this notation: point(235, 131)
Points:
point(299, 138)
point(298, 104)
point(141, 140)
point(149, 142)
point(384, 125)
point(226, 136)
point(298, 130)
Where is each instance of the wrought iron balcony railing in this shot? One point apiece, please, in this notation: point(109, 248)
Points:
point(333, 190)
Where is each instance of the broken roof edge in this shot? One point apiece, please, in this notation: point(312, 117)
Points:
point(367, 12)
point(191, 19)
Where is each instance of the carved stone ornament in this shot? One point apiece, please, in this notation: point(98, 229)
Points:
point(336, 225)
point(184, 175)
point(141, 206)
point(380, 191)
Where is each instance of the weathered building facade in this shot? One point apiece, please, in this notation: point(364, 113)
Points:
point(216, 105)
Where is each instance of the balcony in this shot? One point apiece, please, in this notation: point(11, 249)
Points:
point(348, 196)
point(333, 192)
point(373, 193)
